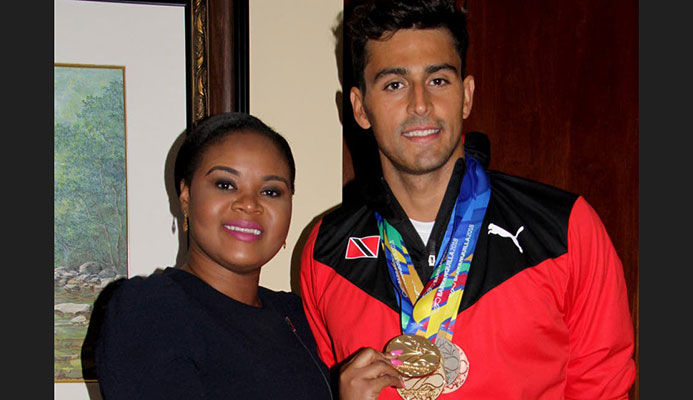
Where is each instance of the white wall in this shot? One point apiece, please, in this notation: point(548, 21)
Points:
point(293, 81)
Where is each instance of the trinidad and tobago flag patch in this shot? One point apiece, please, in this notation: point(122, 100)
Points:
point(365, 247)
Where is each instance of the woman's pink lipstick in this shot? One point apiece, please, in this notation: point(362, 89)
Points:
point(245, 231)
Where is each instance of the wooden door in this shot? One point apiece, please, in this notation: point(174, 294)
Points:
point(557, 94)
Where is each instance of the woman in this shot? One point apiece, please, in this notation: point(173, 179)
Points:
point(208, 330)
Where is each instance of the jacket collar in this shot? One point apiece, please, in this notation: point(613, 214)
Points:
point(379, 197)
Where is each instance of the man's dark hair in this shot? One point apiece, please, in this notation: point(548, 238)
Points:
point(372, 19)
point(217, 127)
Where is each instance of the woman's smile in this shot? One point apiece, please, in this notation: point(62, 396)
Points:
point(245, 231)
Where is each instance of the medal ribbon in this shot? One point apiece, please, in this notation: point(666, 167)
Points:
point(431, 310)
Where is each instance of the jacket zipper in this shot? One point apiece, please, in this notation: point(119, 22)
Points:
point(431, 252)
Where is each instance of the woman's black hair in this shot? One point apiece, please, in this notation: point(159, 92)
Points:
point(212, 130)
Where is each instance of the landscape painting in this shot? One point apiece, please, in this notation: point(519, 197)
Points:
point(90, 196)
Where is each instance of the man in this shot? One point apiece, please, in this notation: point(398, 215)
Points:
point(515, 283)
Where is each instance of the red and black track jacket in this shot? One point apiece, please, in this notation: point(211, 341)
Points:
point(544, 318)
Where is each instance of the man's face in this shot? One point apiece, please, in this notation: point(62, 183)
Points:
point(415, 100)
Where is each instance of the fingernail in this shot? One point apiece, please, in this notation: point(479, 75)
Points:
point(396, 361)
point(396, 352)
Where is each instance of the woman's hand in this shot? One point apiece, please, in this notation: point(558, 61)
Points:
point(366, 374)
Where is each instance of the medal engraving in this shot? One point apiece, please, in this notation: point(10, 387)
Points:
point(419, 356)
point(451, 358)
point(462, 375)
point(427, 387)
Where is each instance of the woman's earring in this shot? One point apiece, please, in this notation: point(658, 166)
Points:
point(185, 223)
point(284, 244)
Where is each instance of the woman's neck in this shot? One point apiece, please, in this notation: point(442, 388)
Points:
point(240, 287)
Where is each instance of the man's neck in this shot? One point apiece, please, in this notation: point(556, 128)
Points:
point(420, 195)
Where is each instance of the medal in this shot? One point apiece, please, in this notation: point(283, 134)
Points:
point(427, 387)
point(451, 358)
point(428, 312)
point(419, 356)
point(462, 375)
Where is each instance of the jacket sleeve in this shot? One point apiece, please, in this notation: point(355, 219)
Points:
point(312, 288)
point(137, 356)
point(597, 315)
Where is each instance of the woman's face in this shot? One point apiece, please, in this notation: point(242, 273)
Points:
point(239, 203)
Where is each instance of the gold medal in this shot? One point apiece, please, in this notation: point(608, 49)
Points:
point(419, 356)
point(427, 387)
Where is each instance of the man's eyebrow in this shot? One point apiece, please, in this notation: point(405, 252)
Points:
point(390, 71)
point(223, 168)
point(432, 69)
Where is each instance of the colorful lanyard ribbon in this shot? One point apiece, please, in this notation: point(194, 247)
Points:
point(432, 310)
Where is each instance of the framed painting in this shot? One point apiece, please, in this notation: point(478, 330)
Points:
point(90, 213)
point(143, 97)
point(118, 110)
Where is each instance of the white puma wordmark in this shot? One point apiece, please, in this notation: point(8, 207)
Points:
point(497, 230)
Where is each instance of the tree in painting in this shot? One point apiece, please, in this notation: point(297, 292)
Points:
point(90, 242)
